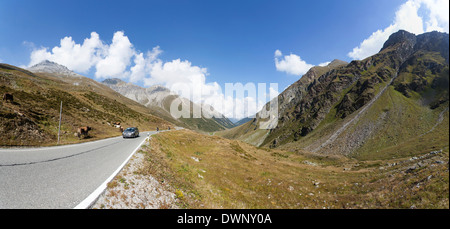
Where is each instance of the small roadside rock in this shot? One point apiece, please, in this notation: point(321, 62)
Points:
point(316, 183)
point(411, 169)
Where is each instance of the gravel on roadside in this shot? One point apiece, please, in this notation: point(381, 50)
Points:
point(130, 190)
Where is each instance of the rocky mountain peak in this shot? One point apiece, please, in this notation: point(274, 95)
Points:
point(336, 62)
point(400, 37)
point(434, 42)
point(157, 88)
point(326, 95)
point(47, 66)
point(112, 81)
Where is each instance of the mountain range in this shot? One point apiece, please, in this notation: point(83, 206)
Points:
point(159, 99)
point(38, 90)
point(372, 133)
point(32, 117)
point(390, 104)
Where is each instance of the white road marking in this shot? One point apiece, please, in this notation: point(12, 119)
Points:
point(86, 203)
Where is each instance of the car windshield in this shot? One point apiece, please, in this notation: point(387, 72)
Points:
point(130, 129)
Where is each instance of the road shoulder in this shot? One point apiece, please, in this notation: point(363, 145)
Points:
point(131, 190)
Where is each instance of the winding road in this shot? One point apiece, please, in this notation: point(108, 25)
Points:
point(68, 176)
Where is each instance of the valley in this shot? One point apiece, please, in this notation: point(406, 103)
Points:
point(158, 99)
point(372, 133)
point(197, 171)
point(366, 108)
point(32, 118)
point(366, 134)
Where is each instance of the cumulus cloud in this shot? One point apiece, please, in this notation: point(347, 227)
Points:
point(189, 81)
point(120, 59)
point(116, 59)
point(291, 64)
point(234, 107)
point(175, 71)
point(108, 60)
point(78, 57)
point(278, 53)
point(324, 63)
point(143, 65)
point(273, 92)
point(407, 17)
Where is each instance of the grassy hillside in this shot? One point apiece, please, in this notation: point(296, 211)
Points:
point(200, 124)
point(377, 133)
point(370, 134)
point(410, 117)
point(392, 104)
point(247, 132)
point(32, 119)
point(212, 172)
point(159, 99)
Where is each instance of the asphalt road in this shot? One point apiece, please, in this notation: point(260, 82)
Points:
point(60, 176)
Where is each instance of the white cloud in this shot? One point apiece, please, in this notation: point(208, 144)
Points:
point(143, 65)
point(234, 107)
point(78, 57)
point(438, 15)
point(138, 71)
point(108, 60)
point(291, 64)
point(175, 71)
point(273, 93)
point(278, 53)
point(324, 64)
point(407, 18)
point(116, 59)
point(154, 53)
point(189, 81)
point(121, 60)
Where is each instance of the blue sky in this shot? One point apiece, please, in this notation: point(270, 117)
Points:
point(229, 41)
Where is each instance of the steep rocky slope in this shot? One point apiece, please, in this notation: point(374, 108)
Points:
point(159, 99)
point(381, 106)
point(50, 67)
point(288, 100)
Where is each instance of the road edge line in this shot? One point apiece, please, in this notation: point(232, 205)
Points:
point(92, 198)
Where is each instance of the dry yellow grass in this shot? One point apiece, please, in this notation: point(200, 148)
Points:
point(33, 118)
point(213, 172)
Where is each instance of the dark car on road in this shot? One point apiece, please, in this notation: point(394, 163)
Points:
point(131, 132)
